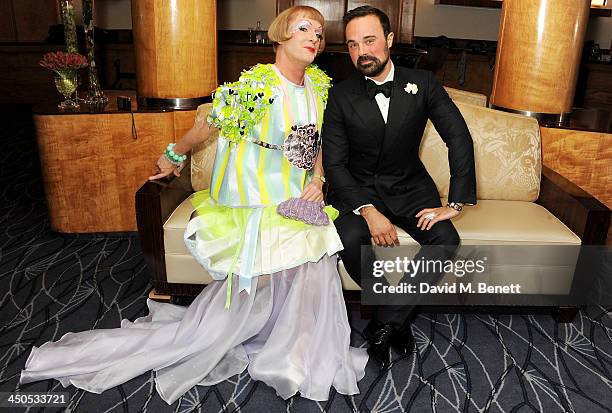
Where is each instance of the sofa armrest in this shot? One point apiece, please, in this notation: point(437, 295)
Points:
point(582, 213)
point(155, 201)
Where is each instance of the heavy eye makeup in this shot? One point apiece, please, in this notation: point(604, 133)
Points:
point(306, 26)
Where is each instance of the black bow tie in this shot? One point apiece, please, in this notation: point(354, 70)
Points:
point(373, 89)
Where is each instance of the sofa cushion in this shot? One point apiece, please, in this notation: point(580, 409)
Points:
point(183, 269)
point(489, 222)
point(203, 154)
point(506, 153)
point(507, 223)
point(174, 228)
point(458, 95)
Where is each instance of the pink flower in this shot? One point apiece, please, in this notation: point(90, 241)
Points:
point(63, 61)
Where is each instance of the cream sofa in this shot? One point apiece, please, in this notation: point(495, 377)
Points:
point(511, 209)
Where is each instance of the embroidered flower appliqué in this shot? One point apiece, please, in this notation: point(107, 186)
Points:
point(302, 146)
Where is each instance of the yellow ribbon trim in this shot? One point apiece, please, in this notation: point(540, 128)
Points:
point(230, 272)
point(261, 178)
point(221, 175)
point(240, 171)
point(286, 166)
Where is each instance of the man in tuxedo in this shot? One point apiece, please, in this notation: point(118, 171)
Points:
point(372, 130)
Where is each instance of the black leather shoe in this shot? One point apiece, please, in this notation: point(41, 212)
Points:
point(371, 328)
point(402, 342)
point(379, 336)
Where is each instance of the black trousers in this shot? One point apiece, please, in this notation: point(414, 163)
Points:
point(354, 234)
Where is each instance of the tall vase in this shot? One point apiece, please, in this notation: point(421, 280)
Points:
point(69, 26)
point(94, 91)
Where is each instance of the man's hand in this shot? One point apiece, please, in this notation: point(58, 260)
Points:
point(382, 230)
point(313, 191)
point(164, 167)
point(436, 214)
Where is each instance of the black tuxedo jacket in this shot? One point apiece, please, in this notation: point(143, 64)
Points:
point(368, 162)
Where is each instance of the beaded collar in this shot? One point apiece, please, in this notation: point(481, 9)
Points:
point(241, 105)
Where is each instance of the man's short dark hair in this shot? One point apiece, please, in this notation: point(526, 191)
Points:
point(367, 11)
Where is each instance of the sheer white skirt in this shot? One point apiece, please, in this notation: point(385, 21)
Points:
point(291, 332)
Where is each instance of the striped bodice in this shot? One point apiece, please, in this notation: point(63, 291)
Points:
point(247, 174)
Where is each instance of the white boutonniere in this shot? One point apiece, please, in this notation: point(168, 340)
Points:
point(411, 88)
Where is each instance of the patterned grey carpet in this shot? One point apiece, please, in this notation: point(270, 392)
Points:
point(51, 284)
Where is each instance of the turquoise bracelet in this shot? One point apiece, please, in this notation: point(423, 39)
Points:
point(173, 157)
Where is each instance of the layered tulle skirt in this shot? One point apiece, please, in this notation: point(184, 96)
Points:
point(289, 328)
point(253, 241)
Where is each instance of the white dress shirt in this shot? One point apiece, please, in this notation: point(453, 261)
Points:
point(383, 104)
point(382, 100)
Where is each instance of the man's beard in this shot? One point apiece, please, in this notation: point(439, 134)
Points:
point(374, 67)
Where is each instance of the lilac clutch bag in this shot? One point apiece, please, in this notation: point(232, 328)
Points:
point(306, 211)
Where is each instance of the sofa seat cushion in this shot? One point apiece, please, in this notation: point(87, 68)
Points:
point(491, 222)
point(497, 222)
point(174, 228)
point(488, 222)
point(184, 269)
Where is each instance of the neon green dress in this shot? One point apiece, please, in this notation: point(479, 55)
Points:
point(237, 230)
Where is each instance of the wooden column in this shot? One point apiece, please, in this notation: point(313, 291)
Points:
point(583, 157)
point(175, 43)
point(538, 57)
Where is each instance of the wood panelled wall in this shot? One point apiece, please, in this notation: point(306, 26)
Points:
point(27, 20)
point(400, 12)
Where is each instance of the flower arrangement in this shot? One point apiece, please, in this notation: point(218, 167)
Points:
point(65, 66)
point(60, 61)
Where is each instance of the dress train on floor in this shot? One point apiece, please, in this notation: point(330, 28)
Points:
point(291, 332)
